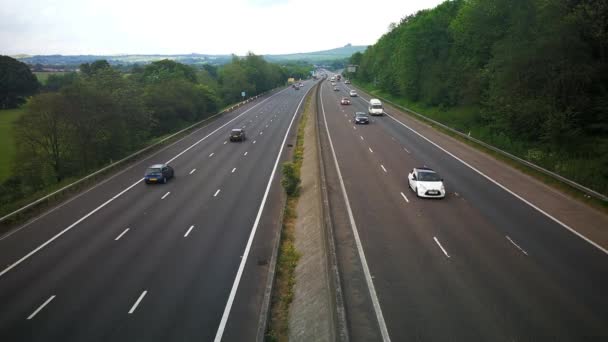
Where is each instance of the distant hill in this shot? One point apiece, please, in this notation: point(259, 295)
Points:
point(193, 58)
point(326, 55)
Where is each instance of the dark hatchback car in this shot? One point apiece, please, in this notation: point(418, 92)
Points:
point(158, 173)
point(237, 134)
point(361, 118)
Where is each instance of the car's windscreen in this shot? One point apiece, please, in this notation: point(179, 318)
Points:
point(359, 115)
point(428, 177)
point(152, 171)
point(376, 106)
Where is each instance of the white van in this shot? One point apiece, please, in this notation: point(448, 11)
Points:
point(375, 107)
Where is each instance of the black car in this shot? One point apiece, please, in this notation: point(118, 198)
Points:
point(158, 173)
point(361, 118)
point(237, 134)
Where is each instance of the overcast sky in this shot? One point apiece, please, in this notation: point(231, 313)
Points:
point(194, 26)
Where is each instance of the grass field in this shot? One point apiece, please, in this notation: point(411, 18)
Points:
point(7, 145)
point(43, 76)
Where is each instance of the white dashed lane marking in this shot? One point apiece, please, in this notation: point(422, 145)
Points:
point(516, 245)
point(121, 234)
point(41, 307)
point(143, 294)
point(440, 246)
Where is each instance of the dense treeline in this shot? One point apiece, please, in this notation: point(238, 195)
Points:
point(82, 121)
point(532, 73)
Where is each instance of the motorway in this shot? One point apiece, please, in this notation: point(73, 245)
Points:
point(184, 261)
point(479, 265)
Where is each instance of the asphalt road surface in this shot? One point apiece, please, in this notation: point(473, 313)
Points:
point(479, 265)
point(126, 261)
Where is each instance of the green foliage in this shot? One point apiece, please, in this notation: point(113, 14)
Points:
point(7, 141)
point(291, 179)
point(163, 71)
point(56, 81)
point(251, 74)
point(17, 82)
point(536, 72)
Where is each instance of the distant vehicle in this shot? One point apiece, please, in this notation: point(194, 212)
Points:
point(347, 82)
point(295, 86)
point(301, 84)
point(237, 134)
point(336, 88)
point(338, 77)
point(158, 173)
point(345, 101)
point(353, 93)
point(361, 118)
point(375, 107)
point(426, 183)
point(333, 83)
point(333, 78)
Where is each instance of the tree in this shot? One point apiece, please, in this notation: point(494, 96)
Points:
point(17, 82)
point(95, 67)
point(43, 131)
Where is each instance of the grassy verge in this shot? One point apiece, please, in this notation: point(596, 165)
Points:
point(282, 293)
point(7, 144)
point(462, 119)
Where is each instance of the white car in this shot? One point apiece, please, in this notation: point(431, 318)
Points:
point(426, 183)
point(353, 93)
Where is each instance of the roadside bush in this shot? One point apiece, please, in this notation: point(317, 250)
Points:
point(291, 179)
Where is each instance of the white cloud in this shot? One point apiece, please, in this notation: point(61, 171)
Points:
point(185, 26)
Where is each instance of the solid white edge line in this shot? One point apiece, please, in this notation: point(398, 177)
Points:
point(233, 170)
point(41, 307)
point(362, 137)
point(217, 192)
point(193, 170)
point(383, 169)
point(121, 234)
point(225, 142)
point(406, 150)
point(188, 232)
point(516, 245)
point(56, 236)
point(141, 296)
point(370, 149)
point(366, 271)
point(165, 195)
point(239, 273)
point(504, 188)
point(440, 246)
point(405, 198)
point(254, 141)
point(211, 155)
point(245, 153)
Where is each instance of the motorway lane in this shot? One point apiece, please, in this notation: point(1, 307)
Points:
point(486, 288)
point(97, 278)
